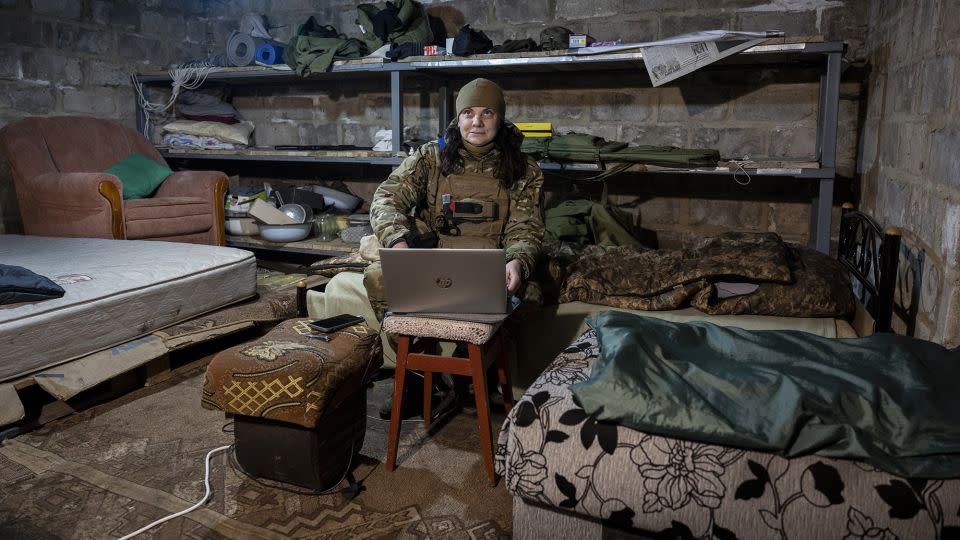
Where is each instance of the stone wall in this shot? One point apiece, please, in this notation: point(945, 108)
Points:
point(909, 157)
point(75, 57)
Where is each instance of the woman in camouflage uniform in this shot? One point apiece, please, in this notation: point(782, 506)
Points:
point(478, 166)
point(472, 189)
point(480, 162)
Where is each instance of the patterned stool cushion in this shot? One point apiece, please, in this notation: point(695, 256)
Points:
point(446, 329)
point(289, 377)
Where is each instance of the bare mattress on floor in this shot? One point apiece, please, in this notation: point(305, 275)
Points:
point(116, 290)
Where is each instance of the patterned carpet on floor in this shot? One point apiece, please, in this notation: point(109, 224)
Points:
point(109, 470)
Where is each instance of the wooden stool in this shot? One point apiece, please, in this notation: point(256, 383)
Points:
point(484, 345)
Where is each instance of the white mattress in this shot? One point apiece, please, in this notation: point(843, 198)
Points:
point(116, 290)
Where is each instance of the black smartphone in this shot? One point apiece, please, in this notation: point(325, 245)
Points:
point(332, 324)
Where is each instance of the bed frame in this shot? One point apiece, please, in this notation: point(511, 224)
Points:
point(872, 255)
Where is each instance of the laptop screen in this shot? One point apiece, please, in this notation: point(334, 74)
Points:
point(445, 280)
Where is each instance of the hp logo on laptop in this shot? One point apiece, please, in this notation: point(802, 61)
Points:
point(444, 282)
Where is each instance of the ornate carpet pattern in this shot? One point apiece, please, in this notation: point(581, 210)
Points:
point(110, 470)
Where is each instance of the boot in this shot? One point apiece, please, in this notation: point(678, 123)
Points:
point(412, 399)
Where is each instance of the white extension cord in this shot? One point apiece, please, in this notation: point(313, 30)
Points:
point(189, 78)
point(206, 484)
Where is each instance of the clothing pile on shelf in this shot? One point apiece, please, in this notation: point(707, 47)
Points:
point(383, 140)
point(207, 121)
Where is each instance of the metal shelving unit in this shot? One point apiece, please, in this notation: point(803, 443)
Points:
point(372, 158)
point(827, 56)
point(554, 67)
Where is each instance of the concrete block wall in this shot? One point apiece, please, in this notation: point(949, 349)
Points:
point(909, 155)
point(750, 113)
point(75, 57)
point(756, 113)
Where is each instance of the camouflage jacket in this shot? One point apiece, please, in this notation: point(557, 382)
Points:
point(409, 192)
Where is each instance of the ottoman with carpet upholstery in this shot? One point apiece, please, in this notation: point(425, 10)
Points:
point(298, 402)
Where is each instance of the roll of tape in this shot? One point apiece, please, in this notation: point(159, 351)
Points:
point(241, 49)
point(269, 53)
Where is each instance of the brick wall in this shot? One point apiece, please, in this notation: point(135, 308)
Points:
point(909, 156)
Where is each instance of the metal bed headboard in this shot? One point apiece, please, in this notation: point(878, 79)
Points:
point(871, 254)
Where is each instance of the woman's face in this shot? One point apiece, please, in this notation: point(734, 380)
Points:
point(478, 125)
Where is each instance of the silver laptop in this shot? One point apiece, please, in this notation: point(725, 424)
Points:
point(446, 281)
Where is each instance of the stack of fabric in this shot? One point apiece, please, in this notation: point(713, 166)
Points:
point(208, 122)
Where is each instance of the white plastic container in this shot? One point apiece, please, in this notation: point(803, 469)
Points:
point(285, 233)
point(243, 226)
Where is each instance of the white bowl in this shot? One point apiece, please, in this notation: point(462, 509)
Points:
point(285, 233)
point(241, 226)
point(340, 200)
point(298, 212)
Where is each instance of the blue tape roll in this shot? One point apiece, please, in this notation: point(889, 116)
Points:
point(268, 53)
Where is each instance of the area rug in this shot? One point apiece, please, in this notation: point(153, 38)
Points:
point(108, 471)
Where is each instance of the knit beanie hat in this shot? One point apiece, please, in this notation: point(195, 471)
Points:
point(481, 93)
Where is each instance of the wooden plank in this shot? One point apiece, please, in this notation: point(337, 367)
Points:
point(11, 409)
point(729, 165)
point(786, 40)
point(67, 380)
point(770, 164)
point(360, 61)
point(269, 152)
point(314, 244)
point(488, 56)
point(563, 52)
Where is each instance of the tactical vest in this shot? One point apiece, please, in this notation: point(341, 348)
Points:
point(480, 227)
point(480, 209)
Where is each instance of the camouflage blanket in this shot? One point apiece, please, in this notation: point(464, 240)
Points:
point(332, 266)
point(793, 281)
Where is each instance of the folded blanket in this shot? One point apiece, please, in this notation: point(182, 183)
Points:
point(229, 133)
point(181, 140)
point(887, 399)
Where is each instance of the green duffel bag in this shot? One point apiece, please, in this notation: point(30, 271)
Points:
point(582, 222)
point(578, 147)
point(414, 24)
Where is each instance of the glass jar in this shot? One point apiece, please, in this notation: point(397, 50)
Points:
point(327, 228)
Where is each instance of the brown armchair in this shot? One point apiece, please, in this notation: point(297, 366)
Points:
point(56, 164)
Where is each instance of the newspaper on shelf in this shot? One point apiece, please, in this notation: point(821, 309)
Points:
point(667, 62)
point(670, 58)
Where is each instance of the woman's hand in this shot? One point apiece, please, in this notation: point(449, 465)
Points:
point(514, 275)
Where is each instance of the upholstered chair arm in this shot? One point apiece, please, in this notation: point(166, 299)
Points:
point(203, 184)
point(72, 204)
point(208, 185)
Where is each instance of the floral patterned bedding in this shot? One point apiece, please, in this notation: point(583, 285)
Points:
point(550, 452)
